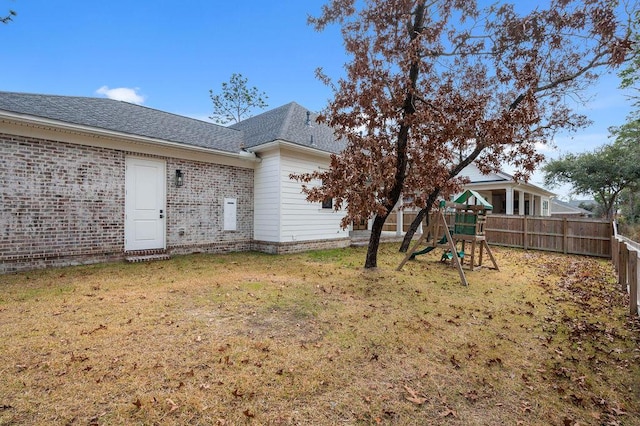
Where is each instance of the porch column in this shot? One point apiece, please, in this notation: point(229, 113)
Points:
point(520, 203)
point(540, 205)
point(399, 220)
point(509, 201)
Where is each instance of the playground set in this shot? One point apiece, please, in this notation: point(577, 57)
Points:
point(458, 223)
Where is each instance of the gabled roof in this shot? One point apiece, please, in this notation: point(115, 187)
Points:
point(475, 176)
point(565, 208)
point(469, 193)
point(123, 117)
point(289, 123)
point(498, 180)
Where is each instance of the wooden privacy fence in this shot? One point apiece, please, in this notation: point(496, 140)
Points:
point(624, 255)
point(590, 237)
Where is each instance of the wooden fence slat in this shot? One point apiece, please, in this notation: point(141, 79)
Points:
point(622, 271)
point(632, 275)
point(614, 251)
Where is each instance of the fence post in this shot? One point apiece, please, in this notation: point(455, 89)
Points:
point(623, 258)
point(614, 252)
point(525, 234)
point(632, 274)
point(612, 232)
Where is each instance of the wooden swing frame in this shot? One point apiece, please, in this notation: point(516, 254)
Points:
point(476, 239)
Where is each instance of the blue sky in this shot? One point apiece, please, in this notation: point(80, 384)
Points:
point(168, 54)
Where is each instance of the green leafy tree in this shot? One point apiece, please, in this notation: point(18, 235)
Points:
point(629, 135)
point(604, 173)
point(236, 100)
point(630, 205)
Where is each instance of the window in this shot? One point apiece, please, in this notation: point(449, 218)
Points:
point(545, 208)
point(327, 203)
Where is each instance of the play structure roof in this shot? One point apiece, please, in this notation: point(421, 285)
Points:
point(462, 198)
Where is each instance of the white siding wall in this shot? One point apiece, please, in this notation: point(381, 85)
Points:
point(266, 196)
point(300, 219)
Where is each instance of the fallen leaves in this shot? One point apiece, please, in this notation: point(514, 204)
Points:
point(98, 328)
point(447, 413)
point(413, 396)
point(494, 361)
point(454, 362)
point(172, 405)
point(458, 352)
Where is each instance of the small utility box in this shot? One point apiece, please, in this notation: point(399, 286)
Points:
point(230, 214)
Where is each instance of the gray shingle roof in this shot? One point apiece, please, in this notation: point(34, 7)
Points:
point(118, 116)
point(562, 207)
point(289, 123)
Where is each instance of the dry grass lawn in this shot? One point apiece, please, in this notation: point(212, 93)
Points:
point(312, 339)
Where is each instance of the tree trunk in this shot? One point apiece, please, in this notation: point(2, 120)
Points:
point(416, 222)
point(408, 107)
point(412, 230)
point(374, 242)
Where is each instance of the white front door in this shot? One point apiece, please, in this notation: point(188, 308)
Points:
point(145, 210)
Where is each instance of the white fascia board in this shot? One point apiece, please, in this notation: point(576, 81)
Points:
point(290, 146)
point(488, 186)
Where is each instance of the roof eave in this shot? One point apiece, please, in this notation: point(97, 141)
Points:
point(490, 185)
point(78, 128)
point(290, 145)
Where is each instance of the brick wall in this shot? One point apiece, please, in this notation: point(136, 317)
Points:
point(60, 203)
point(195, 211)
point(63, 204)
point(300, 246)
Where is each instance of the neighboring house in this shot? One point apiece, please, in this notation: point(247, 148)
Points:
point(500, 189)
point(87, 180)
point(508, 196)
point(567, 209)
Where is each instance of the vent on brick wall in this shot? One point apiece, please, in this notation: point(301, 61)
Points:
point(146, 256)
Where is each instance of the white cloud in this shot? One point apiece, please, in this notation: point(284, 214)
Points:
point(545, 147)
point(122, 94)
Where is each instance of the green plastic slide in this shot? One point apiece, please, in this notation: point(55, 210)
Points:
point(428, 249)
